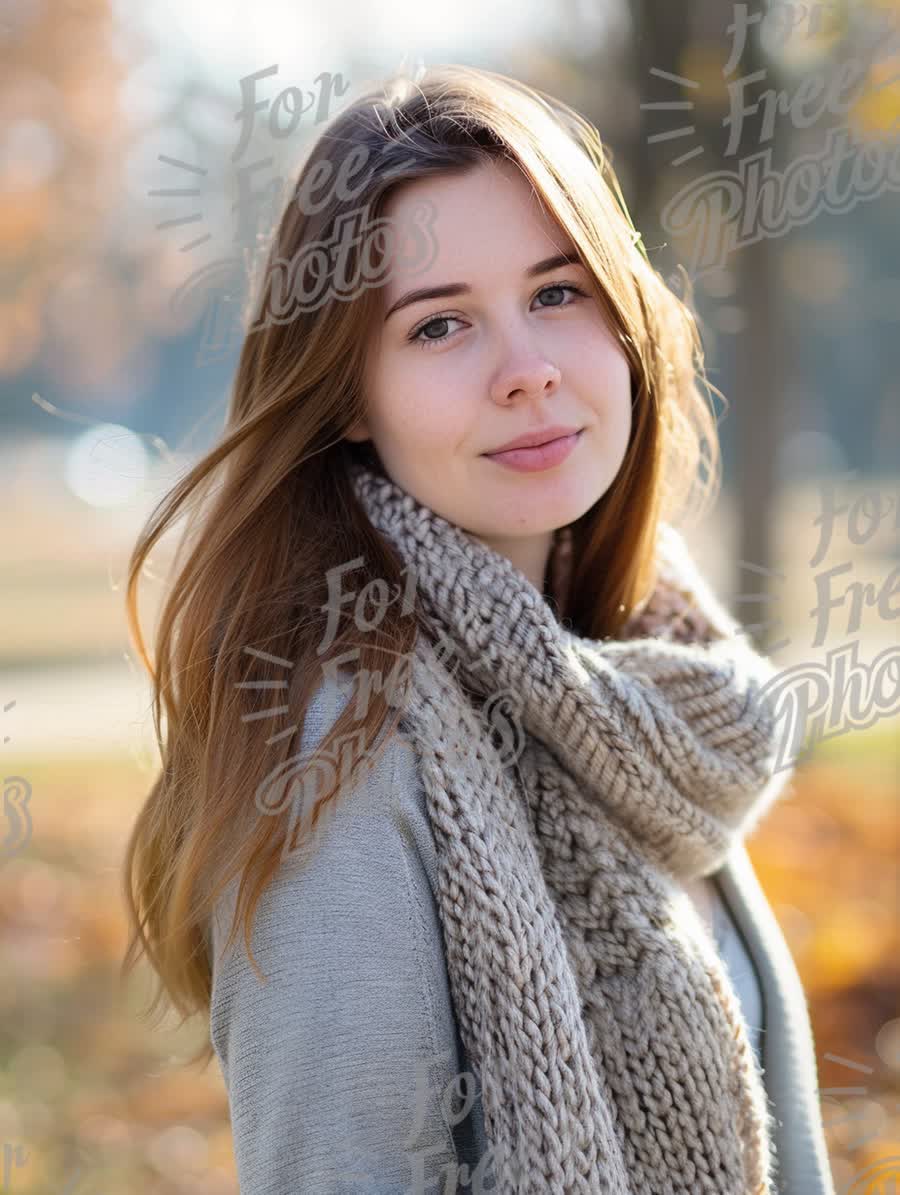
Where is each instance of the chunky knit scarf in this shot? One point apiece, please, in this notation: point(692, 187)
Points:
point(609, 1043)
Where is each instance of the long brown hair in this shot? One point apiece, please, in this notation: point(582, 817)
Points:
point(271, 510)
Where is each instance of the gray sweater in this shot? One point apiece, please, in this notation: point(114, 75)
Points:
point(345, 1072)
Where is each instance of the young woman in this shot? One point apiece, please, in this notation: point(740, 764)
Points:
point(454, 726)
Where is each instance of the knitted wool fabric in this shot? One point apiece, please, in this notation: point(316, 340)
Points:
point(610, 1046)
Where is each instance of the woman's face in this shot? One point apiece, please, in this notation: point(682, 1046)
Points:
point(451, 378)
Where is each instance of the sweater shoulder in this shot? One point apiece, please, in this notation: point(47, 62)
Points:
point(336, 1061)
point(391, 792)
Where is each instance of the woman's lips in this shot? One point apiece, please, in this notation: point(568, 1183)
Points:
point(541, 456)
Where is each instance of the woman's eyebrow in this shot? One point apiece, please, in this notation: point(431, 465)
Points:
point(462, 288)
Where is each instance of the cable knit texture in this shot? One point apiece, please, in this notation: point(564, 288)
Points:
point(572, 784)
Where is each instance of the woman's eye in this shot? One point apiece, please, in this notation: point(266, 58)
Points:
point(560, 286)
point(416, 336)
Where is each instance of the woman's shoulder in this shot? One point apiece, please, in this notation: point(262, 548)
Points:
point(373, 835)
point(325, 1063)
point(391, 776)
point(379, 811)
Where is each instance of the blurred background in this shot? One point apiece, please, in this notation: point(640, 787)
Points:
point(756, 145)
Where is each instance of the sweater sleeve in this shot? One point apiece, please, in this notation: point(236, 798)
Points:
point(342, 1070)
